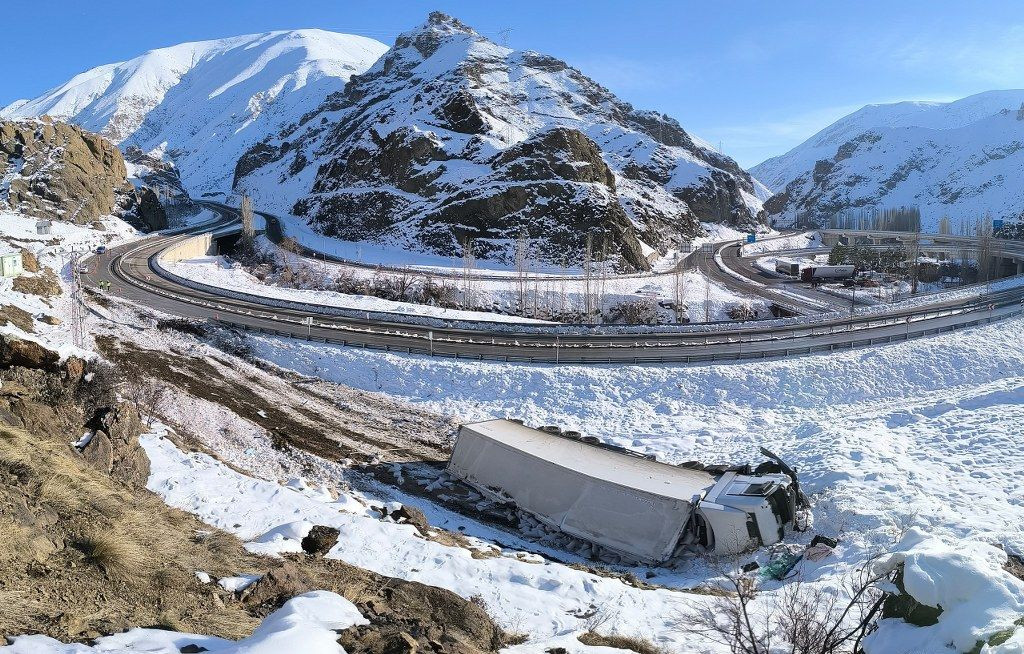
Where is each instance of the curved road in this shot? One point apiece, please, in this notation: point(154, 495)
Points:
point(133, 274)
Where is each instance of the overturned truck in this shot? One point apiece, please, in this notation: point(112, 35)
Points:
point(640, 508)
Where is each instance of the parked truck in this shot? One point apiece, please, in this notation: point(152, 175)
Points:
point(787, 267)
point(643, 509)
point(827, 273)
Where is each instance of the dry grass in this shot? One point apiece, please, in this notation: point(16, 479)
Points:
point(117, 553)
point(633, 644)
point(12, 541)
point(19, 612)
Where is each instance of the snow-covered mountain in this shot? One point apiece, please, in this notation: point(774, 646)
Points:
point(203, 104)
point(450, 136)
point(961, 159)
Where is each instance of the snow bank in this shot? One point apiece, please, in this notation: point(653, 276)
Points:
point(306, 624)
point(933, 427)
point(215, 272)
point(795, 242)
point(967, 580)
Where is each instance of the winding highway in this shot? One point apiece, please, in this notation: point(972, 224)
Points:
point(134, 272)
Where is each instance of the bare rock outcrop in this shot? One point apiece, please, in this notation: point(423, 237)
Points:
point(58, 170)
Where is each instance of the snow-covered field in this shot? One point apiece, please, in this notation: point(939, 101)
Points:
point(931, 428)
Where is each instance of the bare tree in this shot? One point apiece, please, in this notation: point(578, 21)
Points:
point(522, 256)
point(679, 291)
point(468, 267)
point(246, 211)
point(148, 395)
point(801, 619)
point(983, 232)
point(915, 262)
point(945, 226)
point(588, 281)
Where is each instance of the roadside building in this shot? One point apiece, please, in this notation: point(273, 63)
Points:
point(11, 263)
point(44, 227)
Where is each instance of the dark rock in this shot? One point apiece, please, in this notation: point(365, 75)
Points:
point(461, 114)
point(276, 587)
point(255, 157)
point(10, 314)
point(401, 643)
point(114, 447)
point(192, 648)
point(26, 354)
point(411, 515)
point(146, 211)
point(320, 540)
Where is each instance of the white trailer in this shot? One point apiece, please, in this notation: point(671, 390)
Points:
point(787, 267)
point(637, 507)
point(826, 273)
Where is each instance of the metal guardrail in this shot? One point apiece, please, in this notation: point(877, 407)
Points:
point(595, 348)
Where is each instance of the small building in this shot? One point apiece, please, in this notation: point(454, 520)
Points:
point(44, 227)
point(10, 263)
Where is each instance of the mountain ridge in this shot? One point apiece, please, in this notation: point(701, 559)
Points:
point(202, 103)
point(956, 159)
point(450, 136)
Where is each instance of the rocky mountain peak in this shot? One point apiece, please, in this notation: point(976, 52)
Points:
point(429, 36)
point(955, 159)
point(450, 136)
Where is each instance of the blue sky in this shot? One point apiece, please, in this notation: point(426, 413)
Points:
point(759, 77)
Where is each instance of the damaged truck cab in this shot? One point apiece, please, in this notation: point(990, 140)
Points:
point(743, 511)
point(640, 508)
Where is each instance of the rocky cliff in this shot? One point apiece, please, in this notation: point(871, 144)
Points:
point(450, 137)
point(55, 170)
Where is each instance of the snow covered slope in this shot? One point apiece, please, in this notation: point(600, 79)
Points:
point(450, 136)
point(205, 103)
point(962, 159)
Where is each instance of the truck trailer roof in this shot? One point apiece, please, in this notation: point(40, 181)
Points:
point(620, 501)
point(598, 462)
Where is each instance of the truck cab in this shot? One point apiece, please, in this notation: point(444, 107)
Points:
point(744, 511)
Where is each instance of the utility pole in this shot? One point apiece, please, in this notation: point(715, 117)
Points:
point(77, 314)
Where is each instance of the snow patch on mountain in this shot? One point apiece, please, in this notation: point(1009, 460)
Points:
point(204, 103)
point(959, 159)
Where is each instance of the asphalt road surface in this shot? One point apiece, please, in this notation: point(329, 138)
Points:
point(132, 273)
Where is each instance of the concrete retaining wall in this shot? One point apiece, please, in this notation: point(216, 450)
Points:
point(190, 248)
